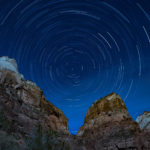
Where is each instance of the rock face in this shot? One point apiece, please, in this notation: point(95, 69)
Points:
point(29, 122)
point(9, 64)
point(23, 106)
point(108, 110)
point(108, 125)
point(144, 121)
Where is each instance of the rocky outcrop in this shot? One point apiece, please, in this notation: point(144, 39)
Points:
point(29, 122)
point(8, 64)
point(23, 106)
point(108, 110)
point(108, 125)
point(144, 121)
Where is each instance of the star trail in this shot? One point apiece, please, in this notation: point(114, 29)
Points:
point(78, 51)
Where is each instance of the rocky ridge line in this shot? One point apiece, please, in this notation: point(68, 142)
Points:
point(29, 122)
point(23, 108)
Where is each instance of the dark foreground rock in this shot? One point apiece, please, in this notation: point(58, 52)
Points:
point(29, 122)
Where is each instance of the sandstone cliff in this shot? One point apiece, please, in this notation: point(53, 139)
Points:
point(108, 125)
point(29, 122)
point(23, 107)
point(108, 110)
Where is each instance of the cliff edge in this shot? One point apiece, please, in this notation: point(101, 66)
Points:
point(29, 122)
point(23, 107)
point(108, 125)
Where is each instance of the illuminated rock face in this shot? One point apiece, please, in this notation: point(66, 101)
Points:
point(33, 106)
point(108, 125)
point(7, 63)
point(105, 111)
point(144, 120)
point(23, 107)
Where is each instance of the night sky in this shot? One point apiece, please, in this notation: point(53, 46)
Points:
point(78, 51)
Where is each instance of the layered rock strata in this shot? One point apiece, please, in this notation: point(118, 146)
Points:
point(29, 122)
point(23, 106)
point(108, 125)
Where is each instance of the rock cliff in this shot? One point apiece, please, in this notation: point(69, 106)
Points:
point(29, 122)
point(23, 107)
point(108, 125)
point(144, 121)
point(105, 111)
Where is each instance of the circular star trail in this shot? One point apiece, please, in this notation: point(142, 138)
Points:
point(79, 51)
